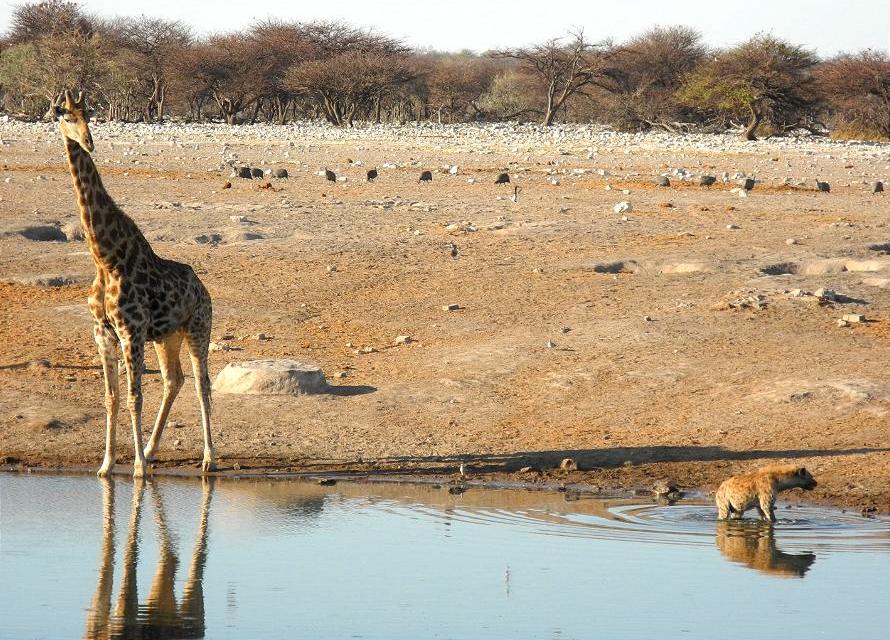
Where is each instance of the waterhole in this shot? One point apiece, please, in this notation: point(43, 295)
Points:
point(248, 558)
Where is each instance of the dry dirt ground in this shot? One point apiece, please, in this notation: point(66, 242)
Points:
point(638, 347)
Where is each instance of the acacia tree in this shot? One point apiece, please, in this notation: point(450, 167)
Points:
point(349, 82)
point(154, 43)
point(644, 75)
point(232, 70)
point(857, 87)
point(764, 78)
point(457, 82)
point(53, 46)
point(564, 68)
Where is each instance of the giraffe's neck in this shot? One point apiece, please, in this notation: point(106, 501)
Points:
point(108, 232)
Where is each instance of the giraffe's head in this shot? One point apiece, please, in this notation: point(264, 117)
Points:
point(73, 116)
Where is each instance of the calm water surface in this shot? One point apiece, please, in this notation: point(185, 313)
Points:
point(176, 558)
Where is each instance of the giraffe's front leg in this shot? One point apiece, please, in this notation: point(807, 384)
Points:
point(107, 343)
point(134, 356)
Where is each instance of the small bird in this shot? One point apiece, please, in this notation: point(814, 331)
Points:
point(550, 344)
point(502, 178)
point(515, 196)
point(707, 181)
point(454, 250)
point(824, 187)
point(426, 176)
point(330, 175)
point(372, 174)
point(877, 187)
point(749, 184)
point(463, 469)
point(663, 181)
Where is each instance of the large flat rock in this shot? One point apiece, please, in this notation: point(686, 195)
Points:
point(270, 377)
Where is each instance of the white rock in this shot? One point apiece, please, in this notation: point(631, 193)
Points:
point(623, 207)
point(270, 377)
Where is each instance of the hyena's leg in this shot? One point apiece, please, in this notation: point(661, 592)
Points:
point(723, 507)
point(766, 507)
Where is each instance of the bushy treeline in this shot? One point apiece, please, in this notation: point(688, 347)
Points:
point(150, 69)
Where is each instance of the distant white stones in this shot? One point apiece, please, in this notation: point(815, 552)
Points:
point(453, 169)
point(623, 207)
point(732, 227)
point(270, 377)
point(554, 182)
point(792, 241)
point(404, 339)
point(853, 318)
point(450, 307)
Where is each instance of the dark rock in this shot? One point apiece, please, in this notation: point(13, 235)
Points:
point(280, 173)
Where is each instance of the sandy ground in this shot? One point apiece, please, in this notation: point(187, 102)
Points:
point(631, 345)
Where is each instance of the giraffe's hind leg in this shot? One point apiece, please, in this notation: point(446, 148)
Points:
point(198, 341)
point(108, 345)
point(171, 371)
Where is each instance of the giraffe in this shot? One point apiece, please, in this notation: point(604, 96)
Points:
point(135, 297)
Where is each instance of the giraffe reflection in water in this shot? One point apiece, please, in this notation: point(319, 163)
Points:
point(161, 616)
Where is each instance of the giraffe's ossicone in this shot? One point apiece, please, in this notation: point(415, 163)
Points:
point(136, 296)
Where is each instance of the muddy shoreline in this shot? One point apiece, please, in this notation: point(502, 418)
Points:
point(613, 483)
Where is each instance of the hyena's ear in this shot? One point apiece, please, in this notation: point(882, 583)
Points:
point(802, 472)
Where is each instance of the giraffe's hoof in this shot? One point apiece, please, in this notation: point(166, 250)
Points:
point(149, 454)
point(140, 471)
point(104, 471)
point(208, 466)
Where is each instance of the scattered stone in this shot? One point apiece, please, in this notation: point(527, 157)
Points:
point(49, 281)
point(791, 241)
point(456, 490)
point(731, 226)
point(853, 318)
point(280, 173)
point(568, 464)
point(270, 377)
point(38, 233)
point(826, 294)
point(623, 207)
point(450, 307)
point(327, 482)
point(227, 185)
point(73, 231)
point(842, 323)
point(404, 339)
point(664, 488)
point(663, 181)
point(331, 268)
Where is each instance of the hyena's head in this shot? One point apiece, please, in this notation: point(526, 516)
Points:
point(802, 478)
